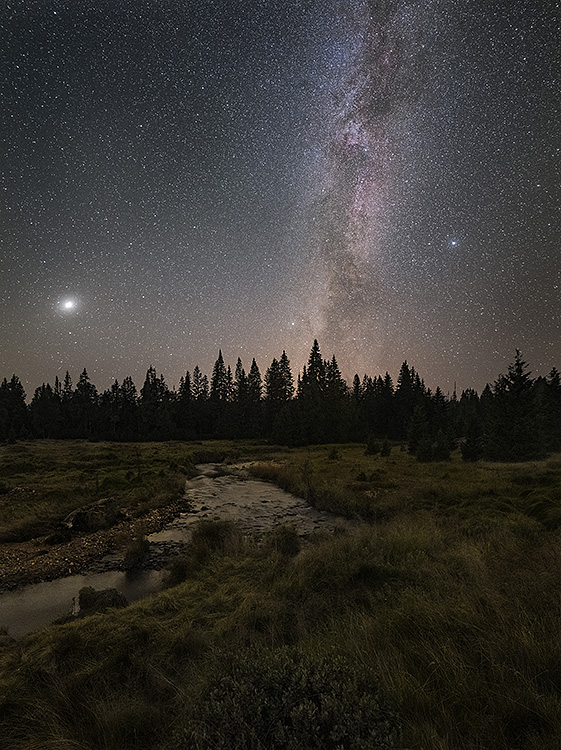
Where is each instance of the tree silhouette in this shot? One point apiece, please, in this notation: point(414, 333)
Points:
point(511, 427)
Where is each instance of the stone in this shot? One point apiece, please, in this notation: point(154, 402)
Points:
point(92, 517)
point(92, 601)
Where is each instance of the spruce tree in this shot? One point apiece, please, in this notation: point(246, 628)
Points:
point(511, 426)
point(405, 401)
point(183, 407)
point(240, 384)
point(84, 405)
point(287, 379)
point(419, 430)
point(155, 407)
point(219, 381)
point(129, 423)
point(254, 393)
point(44, 411)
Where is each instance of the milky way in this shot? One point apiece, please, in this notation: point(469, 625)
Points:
point(349, 215)
point(384, 176)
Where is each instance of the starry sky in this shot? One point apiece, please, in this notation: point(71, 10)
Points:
point(179, 176)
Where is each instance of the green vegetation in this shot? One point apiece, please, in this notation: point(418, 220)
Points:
point(42, 481)
point(436, 625)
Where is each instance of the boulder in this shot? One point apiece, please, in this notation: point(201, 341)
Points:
point(92, 601)
point(92, 517)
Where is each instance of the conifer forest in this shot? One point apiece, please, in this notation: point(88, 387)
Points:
point(516, 418)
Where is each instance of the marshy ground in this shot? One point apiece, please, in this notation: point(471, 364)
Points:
point(434, 624)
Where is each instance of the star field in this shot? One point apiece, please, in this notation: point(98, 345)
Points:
point(179, 177)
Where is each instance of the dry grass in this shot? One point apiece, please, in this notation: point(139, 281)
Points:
point(450, 598)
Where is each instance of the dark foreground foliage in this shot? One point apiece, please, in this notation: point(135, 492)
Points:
point(435, 625)
point(288, 699)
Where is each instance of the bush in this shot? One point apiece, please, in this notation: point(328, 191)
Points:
point(373, 448)
point(424, 451)
point(284, 540)
point(386, 449)
point(290, 700)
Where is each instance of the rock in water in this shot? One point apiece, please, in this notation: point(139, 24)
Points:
point(92, 601)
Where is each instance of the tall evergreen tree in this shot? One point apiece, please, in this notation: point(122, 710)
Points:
point(129, 421)
point(14, 421)
point(183, 407)
point(219, 380)
point(155, 407)
point(311, 398)
point(405, 402)
point(84, 406)
point(511, 427)
point(200, 388)
point(44, 411)
point(254, 393)
point(240, 384)
point(287, 379)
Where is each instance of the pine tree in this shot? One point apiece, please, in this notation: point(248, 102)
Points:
point(316, 370)
point(254, 383)
point(419, 430)
point(287, 379)
point(199, 387)
point(218, 381)
point(356, 389)
point(84, 406)
point(511, 426)
point(109, 411)
point(273, 383)
point(230, 389)
point(405, 401)
point(129, 423)
point(155, 407)
point(311, 398)
point(254, 393)
point(240, 385)
point(183, 407)
point(44, 410)
point(338, 419)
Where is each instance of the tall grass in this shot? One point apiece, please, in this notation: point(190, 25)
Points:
point(443, 610)
point(42, 481)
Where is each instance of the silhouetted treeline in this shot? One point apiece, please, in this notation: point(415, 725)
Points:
point(517, 418)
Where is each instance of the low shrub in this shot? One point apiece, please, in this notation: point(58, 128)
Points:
point(293, 700)
point(284, 540)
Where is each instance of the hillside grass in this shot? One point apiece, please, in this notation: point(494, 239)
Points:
point(434, 626)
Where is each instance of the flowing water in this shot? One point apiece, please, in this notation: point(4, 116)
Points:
point(256, 506)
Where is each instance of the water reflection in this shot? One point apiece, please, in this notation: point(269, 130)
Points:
point(38, 604)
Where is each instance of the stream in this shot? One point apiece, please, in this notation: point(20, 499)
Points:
point(255, 505)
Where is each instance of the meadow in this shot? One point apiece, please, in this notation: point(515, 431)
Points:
point(435, 626)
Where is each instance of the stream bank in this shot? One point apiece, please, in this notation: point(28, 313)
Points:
point(216, 493)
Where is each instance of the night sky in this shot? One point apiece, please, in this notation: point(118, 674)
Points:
point(182, 176)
